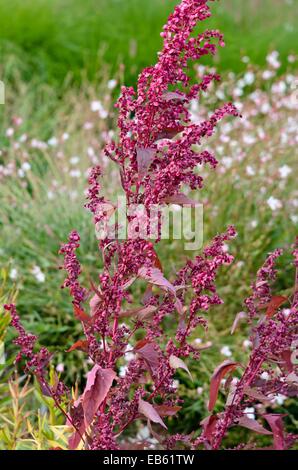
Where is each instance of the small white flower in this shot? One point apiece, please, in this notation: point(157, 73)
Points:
point(9, 132)
point(250, 170)
point(294, 218)
point(267, 74)
point(96, 106)
point(75, 173)
point(38, 274)
point(238, 92)
point(249, 139)
point(274, 203)
point(250, 412)
point(240, 264)
point(112, 84)
point(198, 341)
point(26, 166)
point(13, 274)
point(175, 383)
point(254, 223)
point(265, 108)
point(88, 125)
point(249, 78)
point(74, 160)
point(143, 433)
point(129, 356)
point(53, 142)
point(200, 390)
point(272, 59)
point(23, 138)
point(225, 351)
point(122, 371)
point(241, 83)
point(103, 114)
point(279, 87)
point(227, 162)
point(280, 399)
point(284, 171)
point(286, 312)
point(265, 376)
point(247, 344)
point(225, 247)
point(60, 367)
point(220, 95)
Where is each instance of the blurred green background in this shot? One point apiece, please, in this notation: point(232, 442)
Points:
point(59, 38)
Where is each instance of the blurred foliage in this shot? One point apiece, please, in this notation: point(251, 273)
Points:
point(52, 40)
point(29, 421)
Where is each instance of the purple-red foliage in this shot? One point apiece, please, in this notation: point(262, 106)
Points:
point(156, 157)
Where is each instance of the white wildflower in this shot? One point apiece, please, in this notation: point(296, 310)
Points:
point(225, 351)
point(284, 171)
point(112, 84)
point(250, 412)
point(13, 274)
point(274, 203)
point(38, 274)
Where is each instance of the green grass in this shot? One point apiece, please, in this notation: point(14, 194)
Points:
point(60, 38)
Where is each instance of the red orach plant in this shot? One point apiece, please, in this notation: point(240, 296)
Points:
point(156, 158)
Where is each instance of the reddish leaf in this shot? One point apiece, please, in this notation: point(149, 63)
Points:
point(273, 305)
point(141, 312)
point(148, 351)
point(145, 157)
point(81, 315)
point(177, 363)
point(253, 393)
point(149, 411)
point(99, 382)
point(146, 312)
point(170, 132)
point(157, 262)
point(219, 373)
point(239, 316)
point(253, 425)
point(179, 306)
point(94, 303)
point(155, 276)
point(180, 199)
point(164, 410)
point(209, 425)
point(173, 95)
point(128, 283)
point(81, 345)
point(276, 424)
point(147, 295)
point(287, 360)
